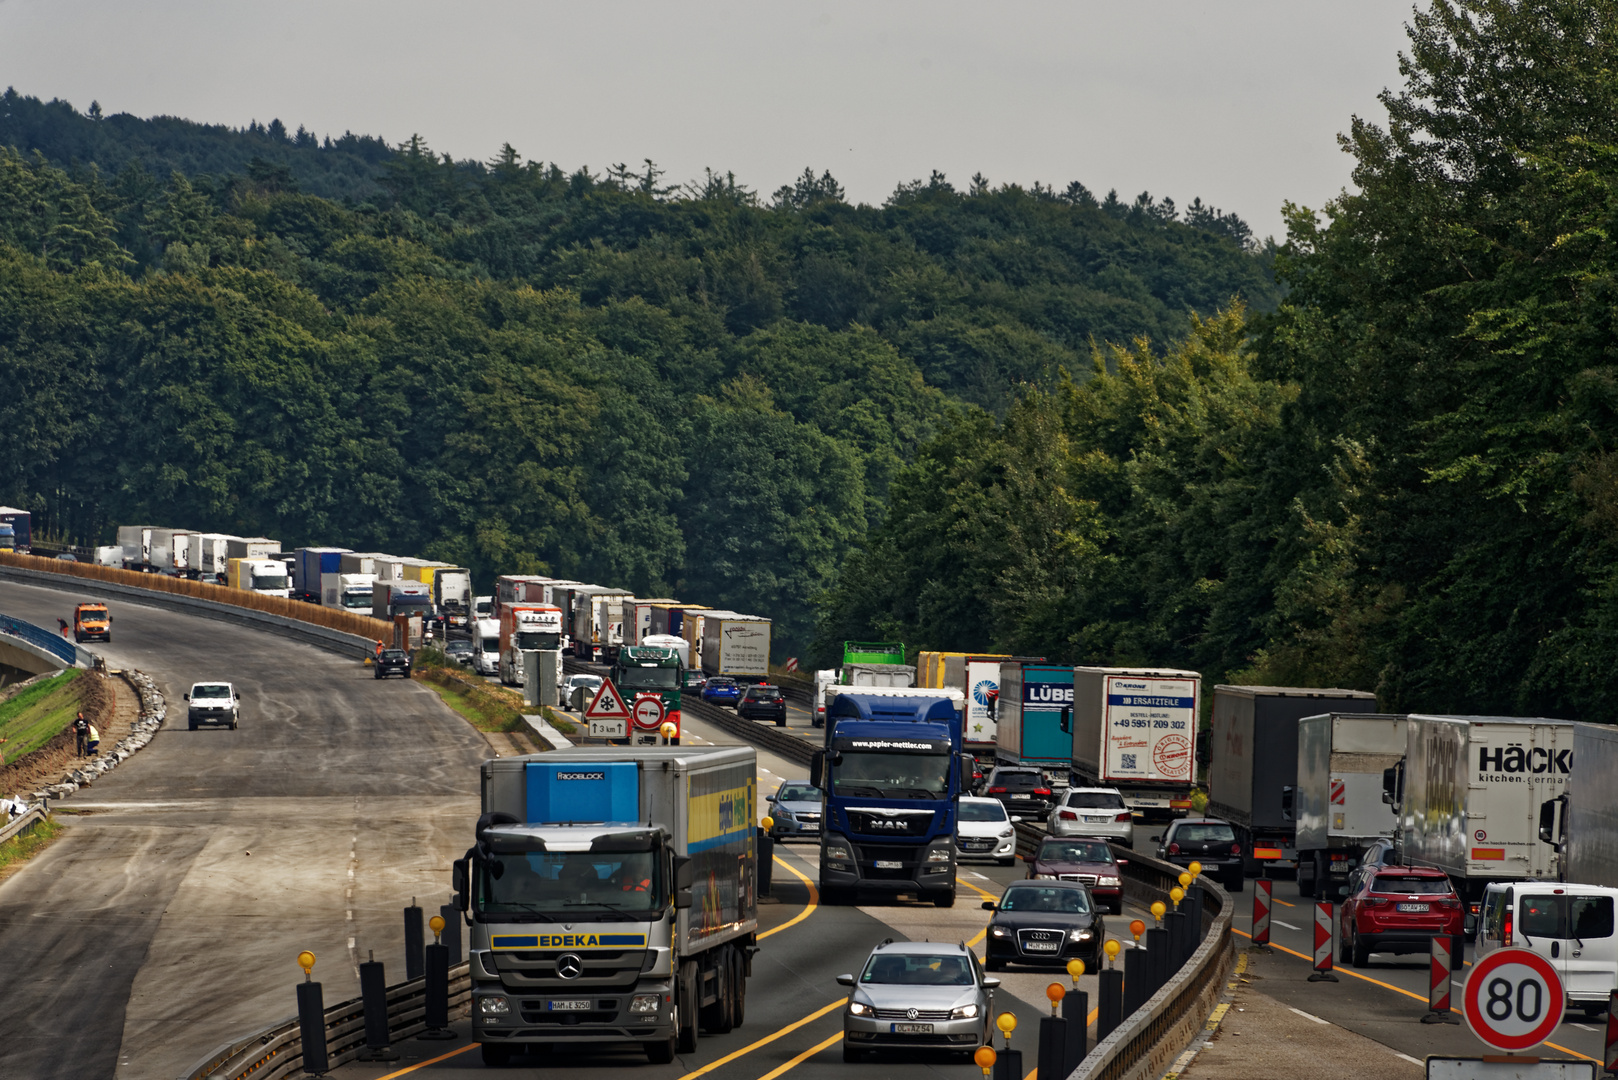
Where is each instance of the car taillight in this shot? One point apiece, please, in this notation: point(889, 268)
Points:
point(1507, 932)
point(997, 791)
point(1174, 849)
point(1067, 815)
point(1125, 816)
point(1235, 849)
point(1375, 901)
point(1042, 791)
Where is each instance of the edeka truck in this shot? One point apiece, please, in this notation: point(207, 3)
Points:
point(1033, 715)
point(643, 671)
point(892, 772)
point(1338, 802)
point(1469, 792)
point(1253, 762)
point(612, 896)
point(1132, 730)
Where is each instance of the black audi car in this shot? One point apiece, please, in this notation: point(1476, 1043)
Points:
point(1044, 922)
point(393, 662)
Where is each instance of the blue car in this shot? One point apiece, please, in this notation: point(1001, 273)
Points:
point(721, 691)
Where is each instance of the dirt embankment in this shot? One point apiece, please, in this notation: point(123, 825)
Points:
point(108, 702)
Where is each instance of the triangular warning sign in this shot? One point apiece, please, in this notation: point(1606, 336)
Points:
point(608, 704)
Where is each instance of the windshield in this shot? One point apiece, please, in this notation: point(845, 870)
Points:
point(1017, 781)
point(1096, 800)
point(918, 969)
point(1033, 898)
point(983, 811)
point(210, 690)
point(798, 793)
point(765, 693)
point(533, 639)
point(357, 600)
point(1396, 883)
point(649, 678)
point(561, 881)
point(1204, 834)
point(1087, 851)
point(892, 776)
point(269, 581)
point(395, 654)
point(491, 644)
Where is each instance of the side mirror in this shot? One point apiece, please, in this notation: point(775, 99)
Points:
point(238, 697)
point(185, 697)
point(1015, 818)
point(460, 878)
point(1342, 890)
point(769, 798)
point(817, 769)
point(990, 982)
point(682, 899)
point(988, 905)
point(845, 980)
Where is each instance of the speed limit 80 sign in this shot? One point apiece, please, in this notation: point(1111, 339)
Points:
point(1513, 999)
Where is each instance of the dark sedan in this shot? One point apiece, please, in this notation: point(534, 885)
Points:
point(721, 691)
point(393, 662)
point(763, 702)
point(1044, 922)
point(1089, 862)
point(1208, 841)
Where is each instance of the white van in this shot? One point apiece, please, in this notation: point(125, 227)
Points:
point(486, 647)
point(1569, 925)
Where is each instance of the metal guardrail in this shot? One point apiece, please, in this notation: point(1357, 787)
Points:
point(23, 825)
point(277, 1051)
point(41, 638)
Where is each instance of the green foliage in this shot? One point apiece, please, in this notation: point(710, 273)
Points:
point(36, 715)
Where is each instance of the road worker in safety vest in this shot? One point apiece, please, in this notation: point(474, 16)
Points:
point(632, 885)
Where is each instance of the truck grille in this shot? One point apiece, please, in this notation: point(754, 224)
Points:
point(533, 969)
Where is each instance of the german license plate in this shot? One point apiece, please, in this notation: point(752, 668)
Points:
point(889, 864)
point(911, 1029)
point(570, 1005)
point(1088, 817)
point(1412, 907)
point(1041, 946)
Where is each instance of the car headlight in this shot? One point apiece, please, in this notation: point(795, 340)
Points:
point(494, 1006)
point(1044, 877)
point(836, 851)
point(1079, 935)
point(938, 854)
point(644, 1003)
point(1007, 831)
point(1107, 881)
point(859, 1008)
point(964, 1012)
point(996, 931)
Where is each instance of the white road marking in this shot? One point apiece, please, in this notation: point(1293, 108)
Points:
point(977, 875)
point(1408, 1058)
point(1584, 1027)
point(1310, 1016)
point(1288, 925)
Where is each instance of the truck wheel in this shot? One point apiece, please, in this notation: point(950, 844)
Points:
point(1306, 880)
point(944, 899)
point(495, 1055)
point(738, 987)
point(715, 1018)
point(686, 1028)
point(660, 1052)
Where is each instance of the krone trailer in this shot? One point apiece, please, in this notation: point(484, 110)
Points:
point(612, 893)
point(1469, 793)
point(1132, 730)
point(1338, 803)
point(1253, 762)
point(736, 645)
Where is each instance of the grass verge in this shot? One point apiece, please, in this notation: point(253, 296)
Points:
point(38, 714)
point(485, 706)
point(20, 849)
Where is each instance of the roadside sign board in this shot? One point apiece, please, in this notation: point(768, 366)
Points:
point(608, 704)
point(1512, 999)
point(609, 729)
point(1522, 1069)
point(649, 712)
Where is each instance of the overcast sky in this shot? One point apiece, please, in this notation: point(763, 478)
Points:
point(1238, 102)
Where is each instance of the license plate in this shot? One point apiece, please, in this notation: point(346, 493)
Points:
point(1413, 907)
point(889, 864)
point(1041, 946)
point(1087, 817)
point(911, 1029)
point(573, 1005)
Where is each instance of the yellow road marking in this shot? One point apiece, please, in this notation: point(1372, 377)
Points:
point(766, 1040)
point(814, 899)
point(1217, 1015)
point(1282, 902)
point(431, 1061)
point(801, 1058)
point(1390, 986)
point(981, 892)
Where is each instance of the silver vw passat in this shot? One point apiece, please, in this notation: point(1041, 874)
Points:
point(915, 995)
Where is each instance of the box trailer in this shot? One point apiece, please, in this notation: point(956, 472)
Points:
point(1133, 730)
point(311, 565)
point(1338, 801)
point(977, 675)
point(1581, 823)
point(1253, 762)
point(22, 528)
point(1033, 715)
point(736, 645)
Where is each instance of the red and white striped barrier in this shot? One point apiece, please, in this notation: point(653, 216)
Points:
point(1438, 986)
point(1323, 944)
point(1609, 1058)
point(1261, 911)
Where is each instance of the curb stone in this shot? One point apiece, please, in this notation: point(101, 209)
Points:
point(153, 710)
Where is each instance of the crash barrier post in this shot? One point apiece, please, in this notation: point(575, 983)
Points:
point(1178, 927)
point(1609, 1057)
point(1160, 963)
point(413, 941)
point(1076, 1011)
point(374, 994)
point(1323, 943)
point(1053, 1045)
point(1110, 998)
point(1137, 978)
point(435, 994)
point(1008, 1065)
point(451, 914)
point(311, 1019)
point(766, 857)
point(1261, 912)
point(1438, 984)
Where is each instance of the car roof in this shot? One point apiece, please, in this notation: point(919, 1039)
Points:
point(914, 947)
point(1177, 822)
point(1042, 883)
point(981, 799)
point(1102, 790)
point(1411, 871)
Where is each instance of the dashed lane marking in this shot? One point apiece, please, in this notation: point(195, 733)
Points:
point(1310, 1016)
point(1288, 925)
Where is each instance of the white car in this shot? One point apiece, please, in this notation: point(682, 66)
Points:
point(213, 703)
point(588, 683)
point(983, 831)
point(1093, 811)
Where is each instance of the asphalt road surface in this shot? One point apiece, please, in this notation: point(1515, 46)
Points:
point(167, 919)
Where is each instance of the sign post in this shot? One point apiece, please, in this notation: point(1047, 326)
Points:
point(608, 715)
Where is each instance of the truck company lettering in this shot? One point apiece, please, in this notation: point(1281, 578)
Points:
point(892, 744)
point(1517, 759)
point(567, 941)
point(1037, 693)
point(581, 776)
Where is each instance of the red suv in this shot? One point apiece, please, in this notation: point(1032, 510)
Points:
point(1399, 909)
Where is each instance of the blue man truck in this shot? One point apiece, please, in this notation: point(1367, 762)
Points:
point(892, 770)
point(612, 896)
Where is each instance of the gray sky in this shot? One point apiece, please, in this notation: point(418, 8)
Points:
point(1238, 102)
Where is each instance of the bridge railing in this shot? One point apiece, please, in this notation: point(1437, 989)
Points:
point(41, 638)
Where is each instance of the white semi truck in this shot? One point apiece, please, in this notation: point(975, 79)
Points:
point(1338, 800)
point(612, 894)
point(351, 592)
point(1133, 729)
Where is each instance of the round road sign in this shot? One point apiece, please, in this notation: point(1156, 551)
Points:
point(1513, 999)
point(649, 712)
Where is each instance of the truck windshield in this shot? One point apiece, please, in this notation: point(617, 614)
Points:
point(269, 581)
point(649, 678)
point(891, 776)
point(357, 600)
point(491, 644)
point(533, 639)
point(567, 883)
